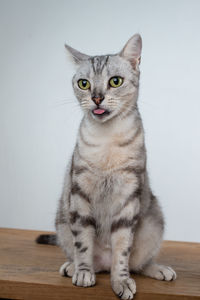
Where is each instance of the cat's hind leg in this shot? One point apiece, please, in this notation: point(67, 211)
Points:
point(65, 241)
point(148, 239)
point(159, 272)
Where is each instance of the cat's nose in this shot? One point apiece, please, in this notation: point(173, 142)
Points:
point(98, 99)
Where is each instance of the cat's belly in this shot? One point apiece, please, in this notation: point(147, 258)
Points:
point(102, 213)
point(102, 257)
point(107, 193)
point(103, 225)
point(102, 195)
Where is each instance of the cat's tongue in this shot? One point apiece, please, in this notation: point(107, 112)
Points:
point(99, 111)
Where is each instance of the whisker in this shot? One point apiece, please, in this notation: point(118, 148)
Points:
point(62, 102)
point(147, 105)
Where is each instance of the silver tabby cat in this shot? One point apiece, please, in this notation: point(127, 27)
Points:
point(108, 219)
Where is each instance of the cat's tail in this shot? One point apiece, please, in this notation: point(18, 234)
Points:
point(48, 239)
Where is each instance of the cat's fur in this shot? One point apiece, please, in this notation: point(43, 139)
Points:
point(108, 218)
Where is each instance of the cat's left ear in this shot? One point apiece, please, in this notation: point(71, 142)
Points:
point(132, 50)
point(76, 56)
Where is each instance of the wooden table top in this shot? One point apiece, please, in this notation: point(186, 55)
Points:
point(30, 271)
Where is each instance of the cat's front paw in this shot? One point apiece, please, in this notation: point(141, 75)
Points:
point(67, 269)
point(84, 278)
point(124, 289)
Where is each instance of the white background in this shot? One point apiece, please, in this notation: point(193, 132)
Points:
point(39, 115)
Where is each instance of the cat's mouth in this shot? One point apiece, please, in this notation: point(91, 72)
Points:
point(100, 111)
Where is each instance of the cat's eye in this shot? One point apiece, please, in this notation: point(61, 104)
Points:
point(84, 84)
point(115, 81)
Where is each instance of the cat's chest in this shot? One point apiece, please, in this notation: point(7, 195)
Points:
point(107, 155)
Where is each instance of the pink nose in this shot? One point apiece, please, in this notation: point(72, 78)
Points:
point(97, 100)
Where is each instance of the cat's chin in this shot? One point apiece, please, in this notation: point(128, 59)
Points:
point(101, 117)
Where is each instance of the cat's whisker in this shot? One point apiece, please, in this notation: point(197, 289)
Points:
point(147, 105)
point(63, 102)
point(66, 99)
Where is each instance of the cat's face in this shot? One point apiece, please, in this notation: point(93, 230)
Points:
point(107, 86)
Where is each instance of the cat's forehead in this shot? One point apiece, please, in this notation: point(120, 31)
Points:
point(99, 63)
point(109, 65)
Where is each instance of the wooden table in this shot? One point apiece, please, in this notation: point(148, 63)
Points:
point(30, 271)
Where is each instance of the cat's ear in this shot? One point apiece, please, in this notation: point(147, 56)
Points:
point(76, 56)
point(132, 50)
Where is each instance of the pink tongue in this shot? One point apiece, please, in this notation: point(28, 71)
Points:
point(99, 111)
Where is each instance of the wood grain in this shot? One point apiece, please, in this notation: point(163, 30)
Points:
point(30, 271)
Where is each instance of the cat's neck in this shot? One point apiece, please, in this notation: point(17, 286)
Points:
point(110, 145)
point(116, 125)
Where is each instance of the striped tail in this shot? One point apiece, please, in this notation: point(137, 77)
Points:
point(48, 239)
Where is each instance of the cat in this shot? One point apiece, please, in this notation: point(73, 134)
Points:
point(108, 219)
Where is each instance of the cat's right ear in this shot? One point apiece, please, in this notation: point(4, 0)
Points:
point(76, 56)
point(132, 51)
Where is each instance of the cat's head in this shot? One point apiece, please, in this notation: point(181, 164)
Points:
point(107, 86)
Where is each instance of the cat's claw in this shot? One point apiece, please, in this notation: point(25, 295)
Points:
point(67, 269)
point(124, 289)
point(84, 278)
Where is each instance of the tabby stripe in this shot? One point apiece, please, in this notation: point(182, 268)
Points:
point(124, 110)
point(85, 160)
point(78, 244)
point(84, 220)
point(131, 140)
point(124, 253)
point(124, 270)
point(84, 269)
point(105, 63)
point(61, 220)
point(133, 169)
point(74, 216)
point(128, 113)
point(151, 212)
point(71, 174)
point(76, 190)
point(136, 194)
point(75, 232)
point(60, 216)
point(86, 142)
point(72, 166)
point(79, 170)
point(88, 221)
point(134, 83)
point(83, 265)
point(98, 64)
point(92, 62)
point(83, 250)
point(123, 223)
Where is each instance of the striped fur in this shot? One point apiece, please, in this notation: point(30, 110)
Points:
point(108, 218)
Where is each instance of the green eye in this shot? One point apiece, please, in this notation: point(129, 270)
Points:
point(115, 81)
point(84, 84)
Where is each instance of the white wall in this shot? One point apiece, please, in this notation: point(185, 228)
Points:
point(39, 115)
